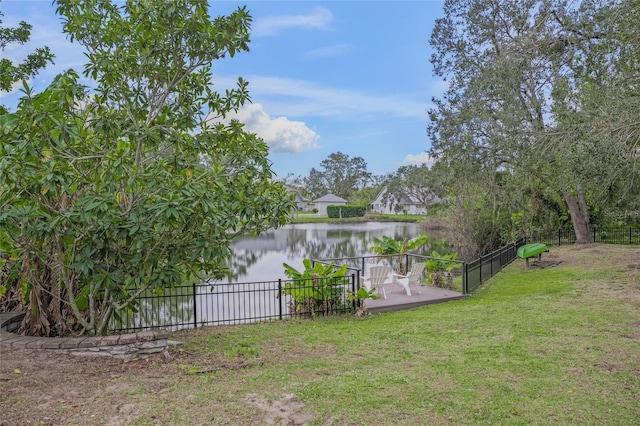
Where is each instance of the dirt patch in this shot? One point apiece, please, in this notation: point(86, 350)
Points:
point(284, 412)
point(39, 387)
point(542, 264)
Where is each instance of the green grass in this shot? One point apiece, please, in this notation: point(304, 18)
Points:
point(530, 347)
point(397, 217)
point(555, 346)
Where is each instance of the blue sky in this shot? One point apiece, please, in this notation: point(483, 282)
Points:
point(331, 76)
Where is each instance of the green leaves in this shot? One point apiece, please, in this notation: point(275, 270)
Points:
point(389, 246)
point(538, 113)
point(118, 190)
point(362, 294)
point(317, 287)
point(442, 262)
point(11, 73)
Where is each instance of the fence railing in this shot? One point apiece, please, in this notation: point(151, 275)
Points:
point(400, 263)
point(478, 271)
point(237, 303)
point(598, 235)
point(483, 268)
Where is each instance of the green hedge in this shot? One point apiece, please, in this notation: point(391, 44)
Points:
point(346, 210)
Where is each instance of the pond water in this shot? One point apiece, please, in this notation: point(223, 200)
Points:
point(250, 293)
point(260, 258)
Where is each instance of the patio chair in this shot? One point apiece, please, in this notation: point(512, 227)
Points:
point(378, 277)
point(414, 276)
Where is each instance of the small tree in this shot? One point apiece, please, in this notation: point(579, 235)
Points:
point(361, 296)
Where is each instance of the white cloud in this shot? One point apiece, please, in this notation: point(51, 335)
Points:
point(319, 19)
point(281, 134)
point(290, 97)
point(418, 159)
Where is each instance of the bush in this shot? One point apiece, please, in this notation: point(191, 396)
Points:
point(346, 210)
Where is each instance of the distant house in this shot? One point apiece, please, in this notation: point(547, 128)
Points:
point(405, 204)
point(328, 200)
point(301, 202)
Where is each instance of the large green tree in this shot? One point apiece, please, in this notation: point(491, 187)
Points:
point(126, 187)
point(341, 175)
point(416, 182)
point(521, 116)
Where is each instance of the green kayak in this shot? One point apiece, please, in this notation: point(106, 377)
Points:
point(529, 250)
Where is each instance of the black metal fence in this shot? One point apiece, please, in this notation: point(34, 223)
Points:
point(237, 303)
point(483, 268)
point(478, 271)
point(598, 235)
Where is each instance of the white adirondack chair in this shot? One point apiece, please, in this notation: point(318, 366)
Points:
point(378, 277)
point(414, 276)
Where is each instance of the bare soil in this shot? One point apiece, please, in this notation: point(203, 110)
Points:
point(41, 388)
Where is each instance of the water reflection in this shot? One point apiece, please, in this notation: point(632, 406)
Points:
point(250, 293)
point(260, 258)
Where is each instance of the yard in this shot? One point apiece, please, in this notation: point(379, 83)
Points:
point(559, 345)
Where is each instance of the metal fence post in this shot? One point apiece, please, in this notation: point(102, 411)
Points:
point(280, 298)
point(195, 306)
point(465, 279)
point(594, 234)
point(353, 289)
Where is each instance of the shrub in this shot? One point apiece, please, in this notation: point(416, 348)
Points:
point(346, 210)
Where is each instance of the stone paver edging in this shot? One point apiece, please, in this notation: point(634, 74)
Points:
point(131, 345)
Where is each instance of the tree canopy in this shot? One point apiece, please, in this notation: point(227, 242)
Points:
point(341, 175)
point(541, 113)
point(127, 186)
point(416, 182)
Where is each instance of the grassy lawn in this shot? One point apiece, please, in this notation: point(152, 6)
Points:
point(559, 345)
point(553, 346)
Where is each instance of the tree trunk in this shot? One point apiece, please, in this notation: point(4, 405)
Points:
point(579, 215)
